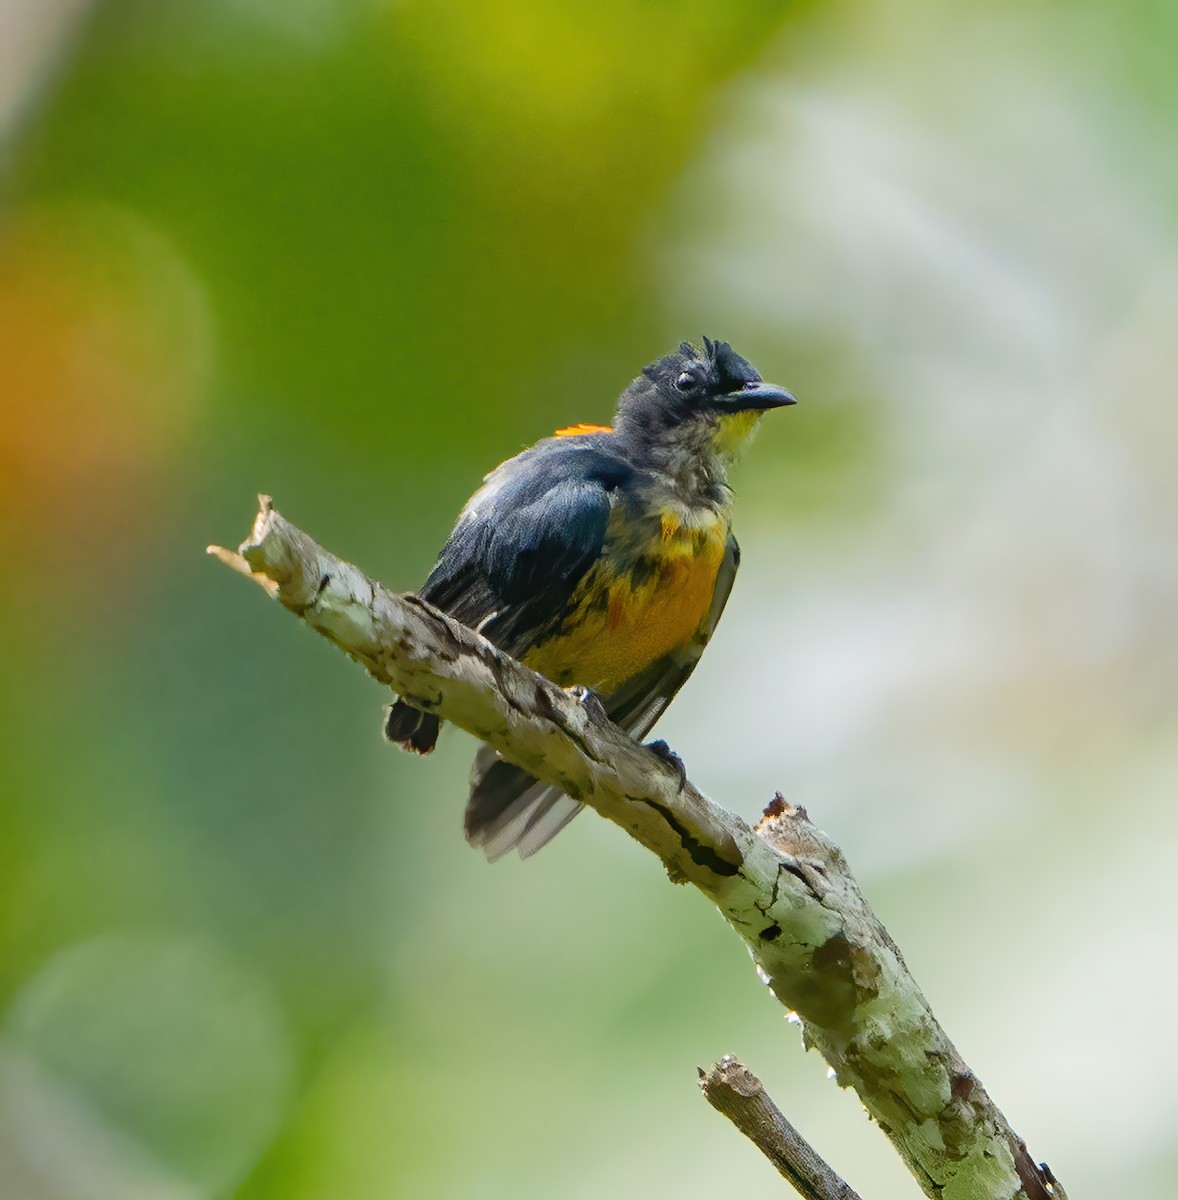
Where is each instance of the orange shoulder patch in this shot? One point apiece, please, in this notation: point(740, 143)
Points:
point(575, 430)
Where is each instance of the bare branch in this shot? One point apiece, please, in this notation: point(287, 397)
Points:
point(784, 888)
point(736, 1093)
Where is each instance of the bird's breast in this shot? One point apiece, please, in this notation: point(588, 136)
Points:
point(647, 596)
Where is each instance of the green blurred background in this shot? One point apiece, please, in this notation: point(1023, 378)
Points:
point(354, 253)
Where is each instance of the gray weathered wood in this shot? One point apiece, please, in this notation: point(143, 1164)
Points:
point(736, 1093)
point(784, 887)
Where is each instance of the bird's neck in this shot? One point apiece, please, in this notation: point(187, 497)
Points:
point(691, 468)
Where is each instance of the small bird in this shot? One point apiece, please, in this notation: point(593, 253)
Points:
point(600, 557)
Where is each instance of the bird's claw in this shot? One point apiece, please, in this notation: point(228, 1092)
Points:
point(672, 759)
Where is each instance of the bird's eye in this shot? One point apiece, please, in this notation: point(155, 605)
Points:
point(687, 381)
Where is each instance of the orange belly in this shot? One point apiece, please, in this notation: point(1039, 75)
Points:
point(616, 630)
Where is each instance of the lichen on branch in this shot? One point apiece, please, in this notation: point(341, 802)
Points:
point(784, 887)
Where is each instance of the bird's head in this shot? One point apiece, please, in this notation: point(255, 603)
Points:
point(704, 403)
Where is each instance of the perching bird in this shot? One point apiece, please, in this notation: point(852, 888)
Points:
point(600, 557)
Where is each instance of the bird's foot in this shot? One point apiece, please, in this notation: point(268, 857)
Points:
point(672, 759)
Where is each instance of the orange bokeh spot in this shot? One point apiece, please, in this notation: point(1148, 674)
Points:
point(98, 373)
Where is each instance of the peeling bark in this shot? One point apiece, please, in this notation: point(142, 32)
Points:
point(784, 887)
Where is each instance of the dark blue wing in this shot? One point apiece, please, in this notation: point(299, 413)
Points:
point(524, 542)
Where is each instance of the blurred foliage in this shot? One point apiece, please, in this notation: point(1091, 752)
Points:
point(354, 253)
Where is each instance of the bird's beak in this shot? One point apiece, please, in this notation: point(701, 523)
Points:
point(757, 395)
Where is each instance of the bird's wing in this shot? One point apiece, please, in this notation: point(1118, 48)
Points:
point(640, 701)
point(522, 545)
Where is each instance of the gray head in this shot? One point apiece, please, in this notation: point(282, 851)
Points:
point(706, 402)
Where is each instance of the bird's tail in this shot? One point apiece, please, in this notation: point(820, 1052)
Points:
point(411, 728)
point(509, 809)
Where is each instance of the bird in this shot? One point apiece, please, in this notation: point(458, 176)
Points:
point(601, 557)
